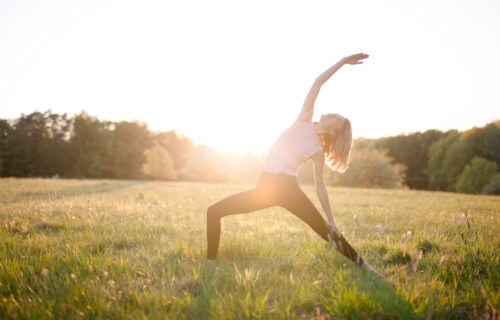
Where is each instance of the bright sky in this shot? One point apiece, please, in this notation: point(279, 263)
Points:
point(233, 74)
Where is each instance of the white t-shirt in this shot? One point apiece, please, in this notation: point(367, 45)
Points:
point(294, 146)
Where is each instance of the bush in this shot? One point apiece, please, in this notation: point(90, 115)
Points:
point(369, 168)
point(493, 186)
point(476, 175)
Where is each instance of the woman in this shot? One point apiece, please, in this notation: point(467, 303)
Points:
point(328, 140)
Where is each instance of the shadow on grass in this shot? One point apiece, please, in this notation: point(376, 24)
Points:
point(384, 300)
point(350, 292)
point(73, 191)
point(199, 308)
point(103, 246)
point(347, 293)
point(362, 295)
point(27, 228)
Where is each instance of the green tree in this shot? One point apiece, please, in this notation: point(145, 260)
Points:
point(5, 130)
point(460, 153)
point(90, 146)
point(129, 140)
point(493, 186)
point(25, 143)
point(490, 145)
point(58, 130)
point(436, 155)
point(159, 165)
point(36, 144)
point(411, 151)
point(179, 148)
point(476, 175)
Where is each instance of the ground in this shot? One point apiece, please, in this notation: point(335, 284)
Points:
point(136, 249)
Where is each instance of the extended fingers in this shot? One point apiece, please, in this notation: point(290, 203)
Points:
point(361, 56)
point(355, 58)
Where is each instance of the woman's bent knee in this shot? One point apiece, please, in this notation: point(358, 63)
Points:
point(211, 212)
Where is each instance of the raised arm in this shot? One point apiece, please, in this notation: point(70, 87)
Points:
point(308, 108)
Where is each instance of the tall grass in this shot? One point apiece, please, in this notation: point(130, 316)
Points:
point(136, 250)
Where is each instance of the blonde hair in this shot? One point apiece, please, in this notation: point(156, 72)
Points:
point(337, 147)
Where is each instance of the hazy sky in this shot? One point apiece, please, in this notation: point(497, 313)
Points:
point(234, 74)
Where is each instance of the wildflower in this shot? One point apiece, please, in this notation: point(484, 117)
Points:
point(317, 282)
point(380, 230)
point(356, 220)
point(415, 265)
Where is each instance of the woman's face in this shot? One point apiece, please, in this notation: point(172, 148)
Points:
point(331, 122)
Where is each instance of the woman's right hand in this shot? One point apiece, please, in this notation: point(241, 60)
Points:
point(334, 228)
point(355, 58)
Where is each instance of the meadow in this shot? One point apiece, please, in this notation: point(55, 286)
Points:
point(117, 249)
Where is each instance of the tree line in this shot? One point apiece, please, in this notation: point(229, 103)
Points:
point(46, 144)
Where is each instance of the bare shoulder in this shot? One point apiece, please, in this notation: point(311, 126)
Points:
point(300, 119)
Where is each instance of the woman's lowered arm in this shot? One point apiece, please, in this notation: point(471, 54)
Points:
point(321, 192)
point(308, 108)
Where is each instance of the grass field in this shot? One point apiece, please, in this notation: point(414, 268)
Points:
point(134, 249)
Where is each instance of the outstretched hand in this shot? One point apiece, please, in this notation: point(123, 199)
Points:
point(355, 58)
point(333, 227)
